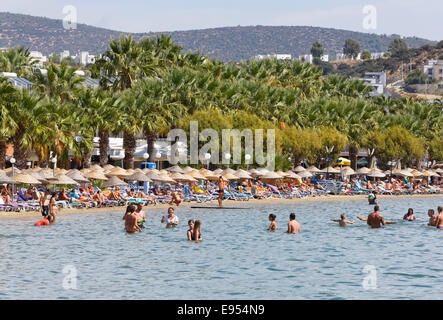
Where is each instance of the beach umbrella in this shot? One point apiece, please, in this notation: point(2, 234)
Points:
point(197, 175)
point(209, 174)
point(153, 176)
point(404, 173)
point(23, 178)
point(114, 181)
point(376, 174)
point(108, 167)
point(299, 169)
point(96, 175)
point(281, 173)
point(271, 176)
point(130, 171)
point(348, 171)
point(188, 169)
point(9, 171)
point(330, 170)
point(242, 174)
point(77, 176)
point(166, 179)
point(62, 179)
point(5, 179)
point(189, 178)
point(176, 169)
point(304, 174)
point(46, 174)
point(292, 175)
point(117, 172)
point(313, 169)
point(230, 176)
point(417, 173)
point(228, 170)
point(218, 171)
point(363, 170)
point(138, 176)
point(36, 174)
point(439, 170)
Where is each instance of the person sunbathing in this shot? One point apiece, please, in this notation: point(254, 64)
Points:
point(131, 193)
point(62, 195)
point(116, 195)
point(7, 196)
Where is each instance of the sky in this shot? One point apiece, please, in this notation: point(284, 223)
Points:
point(404, 17)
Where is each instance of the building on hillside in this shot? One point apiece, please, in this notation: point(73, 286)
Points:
point(273, 56)
point(377, 55)
point(84, 58)
point(341, 56)
point(64, 54)
point(377, 80)
point(308, 58)
point(427, 68)
point(437, 71)
point(18, 83)
point(38, 57)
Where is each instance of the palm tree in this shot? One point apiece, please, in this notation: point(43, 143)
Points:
point(7, 125)
point(17, 60)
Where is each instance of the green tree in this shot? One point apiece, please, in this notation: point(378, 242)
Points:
point(351, 48)
point(365, 55)
point(399, 49)
point(317, 49)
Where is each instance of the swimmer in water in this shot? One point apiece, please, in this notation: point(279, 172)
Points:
point(171, 219)
point(131, 221)
point(196, 234)
point(141, 215)
point(342, 221)
point(293, 225)
point(432, 218)
point(190, 230)
point(439, 223)
point(372, 198)
point(273, 226)
point(375, 220)
point(410, 215)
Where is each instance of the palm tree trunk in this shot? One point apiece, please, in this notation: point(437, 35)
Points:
point(2, 154)
point(104, 146)
point(150, 139)
point(87, 159)
point(19, 152)
point(353, 151)
point(129, 144)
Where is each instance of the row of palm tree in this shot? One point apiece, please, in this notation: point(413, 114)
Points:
point(151, 86)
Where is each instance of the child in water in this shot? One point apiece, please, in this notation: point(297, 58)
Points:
point(273, 226)
point(342, 221)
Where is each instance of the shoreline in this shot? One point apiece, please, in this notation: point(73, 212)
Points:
point(37, 214)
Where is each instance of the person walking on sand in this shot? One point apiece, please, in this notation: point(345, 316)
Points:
point(221, 191)
point(293, 225)
point(342, 221)
point(375, 220)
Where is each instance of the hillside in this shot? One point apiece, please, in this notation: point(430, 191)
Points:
point(227, 44)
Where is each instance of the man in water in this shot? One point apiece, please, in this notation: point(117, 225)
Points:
point(171, 219)
point(432, 218)
point(342, 221)
point(372, 198)
point(293, 226)
point(375, 220)
point(141, 215)
point(439, 223)
point(45, 201)
point(221, 191)
point(131, 220)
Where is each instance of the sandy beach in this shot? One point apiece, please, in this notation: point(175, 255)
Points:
point(253, 202)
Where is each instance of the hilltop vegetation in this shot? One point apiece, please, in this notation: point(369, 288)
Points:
point(226, 44)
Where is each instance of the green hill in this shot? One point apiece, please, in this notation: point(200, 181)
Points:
point(227, 44)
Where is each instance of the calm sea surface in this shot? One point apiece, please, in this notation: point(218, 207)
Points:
point(237, 259)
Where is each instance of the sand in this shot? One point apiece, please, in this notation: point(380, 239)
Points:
point(226, 202)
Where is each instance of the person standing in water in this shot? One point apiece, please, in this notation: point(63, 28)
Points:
point(375, 220)
point(439, 222)
point(171, 219)
point(432, 218)
point(131, 220)
point(141, 215)
point(221, 191)
point(293, 226)
point(44, 204)
point(410, 215)
point(196, 234)
point(273, 226)
point(342, 221)
point(190, 231)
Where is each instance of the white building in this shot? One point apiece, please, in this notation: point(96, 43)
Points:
point(428, 68)
point(84, 58)
point(377, 55)
point(273, 56)
point(377, 80)
point(39, 57)
point(308, 58)
point(341, 56)
point(64, 54)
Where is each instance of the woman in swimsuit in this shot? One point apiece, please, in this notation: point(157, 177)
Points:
point(273, 226)
point(410, 215)
point(191, 230)
point(196, 234)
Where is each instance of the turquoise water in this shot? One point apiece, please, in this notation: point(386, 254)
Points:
point(237, 259)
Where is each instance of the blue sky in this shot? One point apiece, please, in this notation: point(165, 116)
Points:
point(405, 17)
